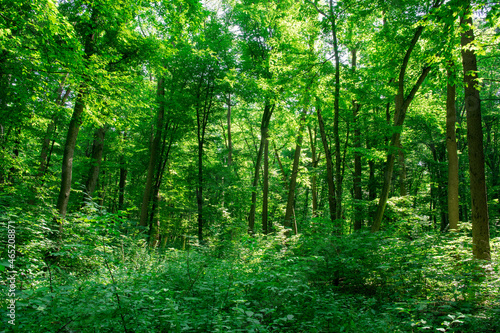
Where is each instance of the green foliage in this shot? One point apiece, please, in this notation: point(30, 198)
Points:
point(107, 281)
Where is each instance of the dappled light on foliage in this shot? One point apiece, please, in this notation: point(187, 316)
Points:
point(249, 166)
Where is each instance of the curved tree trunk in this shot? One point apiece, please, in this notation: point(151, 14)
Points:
point(401, 106)
point(69, 151)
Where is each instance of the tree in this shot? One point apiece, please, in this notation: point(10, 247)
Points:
point(451, 147)
point(98, 30)
point(480, 219)
point(402, 103)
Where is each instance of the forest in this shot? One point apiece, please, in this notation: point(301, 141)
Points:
point(249, 166)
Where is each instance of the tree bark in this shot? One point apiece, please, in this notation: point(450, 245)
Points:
point(329, 171)
point(358, 193)
point(293, 179)
point(69, 151)
point(73, 129)
point(123, 177)
point(480, 218)
point(160, 93)
point(265, 186)
point(314, 186)
point(336, 135)
point(229, 141)
point(266, 117)
point(451, 147)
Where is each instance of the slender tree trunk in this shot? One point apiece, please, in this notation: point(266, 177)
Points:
point(329, 171)
point(358, 193)
point(69, 151)
point(314, 186)
point(229, 141)
point(97, 149)
point(336, 135)
point(266, 117)
point(202, 115)
point(199, 192)
point(451, 146)
point(123, 177)
point(49, 134)
point(401, 106)
point(265, 187)
point(293, 179)
point(102, 183)
point(160, 93)
point(480, 219)
point(73, 129)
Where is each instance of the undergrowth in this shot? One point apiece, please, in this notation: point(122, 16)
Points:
point(103, 279)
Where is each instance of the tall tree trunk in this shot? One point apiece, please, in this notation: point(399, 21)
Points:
point(69, 151)
point(199, 192)
point(123, 177)
point(314, 186)
point(44, 153)
point(202, 116)
point(229, 141)
point(266, 117)
point(451, 146)
point(293, 179)
point(336, 135)
point(480, 219)
point(265, 187)
point(73, 129)
point(329, 171)
point(97, 149)
point(401, 106)
point(160, 93)
point(358, 193)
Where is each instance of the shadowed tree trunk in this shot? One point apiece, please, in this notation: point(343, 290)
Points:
point(329, 169)
point(96, 158)
point(229, 141)
point(315, 159)
point(69, 151)
point(293, 179)
point(451, 146)
point(123, 177)
point(480, 219)
point(73, 128)
point(358, 193)
point(155, 144)
point(265, 187)
point(266, 118)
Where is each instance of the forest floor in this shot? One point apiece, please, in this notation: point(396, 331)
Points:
point(102, 280)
